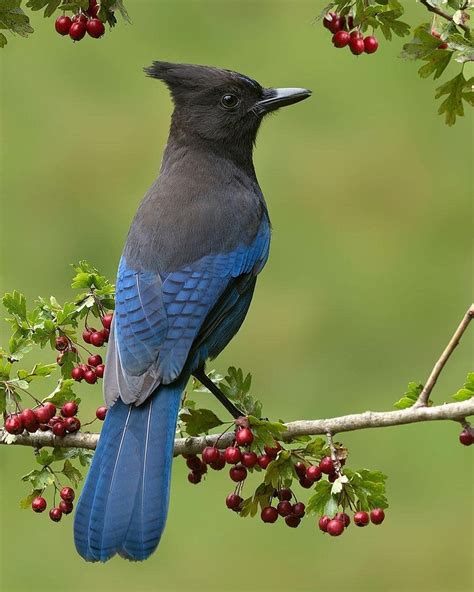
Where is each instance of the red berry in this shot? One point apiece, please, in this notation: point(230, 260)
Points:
point(55, 514)
point(59, 428)
point(292, 521)
point(350, 22)
point(356, 45)
point(466, 437)
point(332, 477)
point(67, 494)
point(263, 461)
point(106, 333)
point(90, 377)
point(66, 507)
point(300, 469)
point(238, 473)
point(269, 514)
point(284, 494)
point(98, 338)
point(210, 454)
point(284, 508)
point(62, 343)
point(80, 18)
point(370, 44)
point(95, 28)
point(298, 509)
point(194, 477)
point(249, 459)
point(100, 413)
point(377, 516)
point(233, 501)
point(323, 523)
point(335, 527)
point(38, 504)
point(345, 519)
point(326, 465)
point(69, 409)
point(51, 408)
point(72, 424)
point(219, 464)
point(194, 463)
point(107, 320)
point(62, 25)
point(94, 360)
point(305, 482)
point(13, 424)
point(42, 414)
point(99, 371)
point(244, 437)
point(361, 518)
point(272, 451)
point(356, 34)
point(313, 473)
point(341, 39)
point(93, 9)
point(334, 22)
point(232, 455)
point(86, 335)
point(443, 45)
point(77, 373)
point(29, 420)
point(328, 19)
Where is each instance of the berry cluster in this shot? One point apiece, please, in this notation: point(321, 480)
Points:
point(335, 526)
point(67, 495)
point(44, 418)
point(345, 34)
point(94, 368)
point(81, 23)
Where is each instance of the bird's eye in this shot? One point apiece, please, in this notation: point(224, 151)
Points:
point(230, 101)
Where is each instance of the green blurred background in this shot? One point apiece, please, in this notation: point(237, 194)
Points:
point(370, 197)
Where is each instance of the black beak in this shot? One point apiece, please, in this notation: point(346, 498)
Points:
point(274, 98)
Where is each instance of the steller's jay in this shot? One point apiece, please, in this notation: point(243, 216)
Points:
point(185, 281)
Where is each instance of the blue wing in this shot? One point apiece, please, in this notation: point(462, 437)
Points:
point(158, 318)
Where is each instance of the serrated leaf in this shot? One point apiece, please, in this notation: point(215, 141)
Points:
point(410, 397)
point(39, 478)
point(437, 62)
point(70, 471)
point(62, 393)
point(199, 421)
point(15, 303)
point(457, 89)
point(318, 501)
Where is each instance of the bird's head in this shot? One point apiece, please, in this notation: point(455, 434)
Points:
point(220, 105)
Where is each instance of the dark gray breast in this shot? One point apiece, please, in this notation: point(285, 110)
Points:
point(200, 204)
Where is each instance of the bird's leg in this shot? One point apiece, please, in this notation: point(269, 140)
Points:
point(216, 391)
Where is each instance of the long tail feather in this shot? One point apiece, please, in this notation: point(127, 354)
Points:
point(124, 502)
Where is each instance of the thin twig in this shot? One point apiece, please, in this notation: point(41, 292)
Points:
point(443, 14)
point(334, 425)
point(438, 367)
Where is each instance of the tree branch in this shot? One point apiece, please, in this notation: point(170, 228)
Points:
point(334, 425)
point(442, 14)
point(438, 367)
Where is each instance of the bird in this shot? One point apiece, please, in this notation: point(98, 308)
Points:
point(184, 285)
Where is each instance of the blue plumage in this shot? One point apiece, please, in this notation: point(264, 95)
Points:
point(185, 282)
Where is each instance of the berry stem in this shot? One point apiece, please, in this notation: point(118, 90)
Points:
point(442, 14)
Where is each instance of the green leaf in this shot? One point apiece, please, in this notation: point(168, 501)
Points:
point(15, 303)
point(3, 40)
point(317, 448)
point(73, 474)
point(199, 421)
point(457, 89)
point(280, 470)
point(62, 393)
point(317, 502)
point(410, 397)
point(39, 478)
point(3, 400)
point(437, 62)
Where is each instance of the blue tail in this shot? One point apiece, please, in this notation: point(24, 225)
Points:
point(124, 503)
